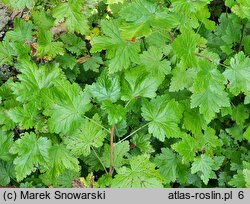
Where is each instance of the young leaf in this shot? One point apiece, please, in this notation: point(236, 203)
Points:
point(138, 83)
point(153, 62)
point(209, 94)
point(164, 116)
point(31, 152)
point(141, 174)
point(120, 52)
point(238, 74)
point(204, 165)
point(6, 141)
point(89, 135)
point(60, 160)
point(187, 147)
point(106, 88)
point(65, 104)
point(71, 13)
point(168, 163)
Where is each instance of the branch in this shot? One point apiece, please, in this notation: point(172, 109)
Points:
point(209, 59)
point(241, 37)
point(99, 159)
point(81, 60)
point(203, 56)
point(95, 122)
point(133, 133)
point(112, 133)
point(171, 36)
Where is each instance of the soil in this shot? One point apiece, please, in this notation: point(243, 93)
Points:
point(6, 23)
point(4, 19)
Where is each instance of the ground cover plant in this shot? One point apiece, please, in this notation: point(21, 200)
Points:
point(120, 93)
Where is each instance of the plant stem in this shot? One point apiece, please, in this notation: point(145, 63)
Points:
point(241, 37)
point(112, 133)
point(96, 123)
point(99, 160)
point(128, 103)
point(207, 58)
point(133, 133)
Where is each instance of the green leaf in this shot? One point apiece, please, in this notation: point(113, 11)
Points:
point(203, 165)
point(246, 173)
point(6, 53)
point(137, 83)
point(22, 31)
point(67, 61)
point(141, 174)
point(154, 62)
point(247, 134)
point(143, 143)
point(42, 20)
point(65, 179)
point(194, 121)
point(238, 180)
point(60, 160)
point(120, 150)
point(168, 163)
point(142, 16)
point(187, 147)
point(164, 116)
point(5, 121)
point(185, 47)
point(209, 94)
point(46, 47)
point(107, 87)
point(209, 140)
point(182, 78)
point(73, 43)
point(93, 63)
point(31, 152)
point(65, 104)
point(89, 135)
point(241, 9)
point(238, 74)
point(241, 179)
point(26, 116)
point(240, 114)
point(33, 81)
point(7, 171)
point(6, 141)
point(21, 4)
point(116, 113)
point(71, 13)
point(114, 1)
point(120, 53)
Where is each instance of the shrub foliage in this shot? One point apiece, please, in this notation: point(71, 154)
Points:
point(120, 93)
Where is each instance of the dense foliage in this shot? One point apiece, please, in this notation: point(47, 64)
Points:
point(120, 93)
